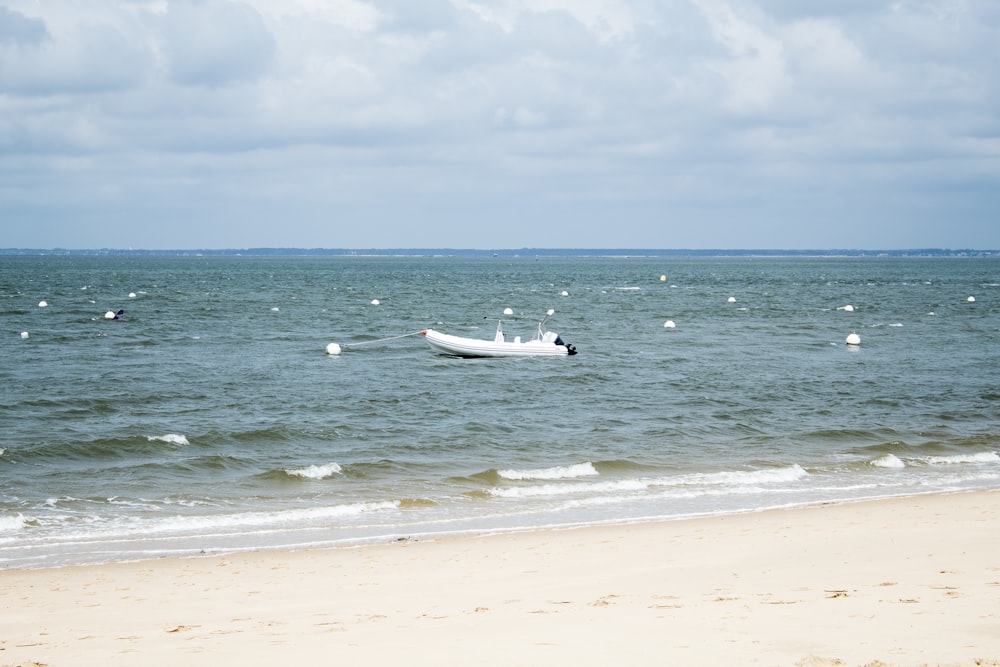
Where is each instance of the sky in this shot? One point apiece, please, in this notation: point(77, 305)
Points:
point(771, 124)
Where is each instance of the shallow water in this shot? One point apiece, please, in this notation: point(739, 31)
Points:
point(209, 417)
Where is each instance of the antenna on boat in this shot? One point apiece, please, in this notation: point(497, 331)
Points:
point(541, 325)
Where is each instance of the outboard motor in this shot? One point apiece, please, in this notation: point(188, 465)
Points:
point(571, 349)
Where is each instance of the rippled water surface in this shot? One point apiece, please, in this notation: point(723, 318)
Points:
point(209, 417)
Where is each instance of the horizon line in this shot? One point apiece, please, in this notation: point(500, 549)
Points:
point(568, 251)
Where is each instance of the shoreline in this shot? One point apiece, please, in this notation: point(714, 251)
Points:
point(898, 581)
point(193, 547)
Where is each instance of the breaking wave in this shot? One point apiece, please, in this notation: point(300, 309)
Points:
point(888, 461)
point(315, 471)
point(171, 438)
point(559, 472)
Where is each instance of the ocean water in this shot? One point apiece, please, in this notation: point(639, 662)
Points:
point(209, 418)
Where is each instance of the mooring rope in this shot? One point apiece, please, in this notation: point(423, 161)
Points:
point(382, 340)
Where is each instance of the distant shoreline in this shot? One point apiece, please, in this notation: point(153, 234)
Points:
point(492, 253)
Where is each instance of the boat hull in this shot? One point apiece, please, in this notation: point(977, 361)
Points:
point(473, 347)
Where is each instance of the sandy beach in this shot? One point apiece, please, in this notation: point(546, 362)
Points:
point(911, 581)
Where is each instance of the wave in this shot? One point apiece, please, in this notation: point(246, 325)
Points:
point(899, 448)
point(11, 523)
point(887, 461)
point(171, 438)
point(559, 472)
point(790, 473)
point(847, 435)
point(569, 489)
point(739, 479)
point(271, 518)
point(315, 471)
point(944, 451)
point(959, 459)
point(99, 449)
point(206, 525)
point(495, 476)
point(187, 466)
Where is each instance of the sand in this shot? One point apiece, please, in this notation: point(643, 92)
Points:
point(892, 582)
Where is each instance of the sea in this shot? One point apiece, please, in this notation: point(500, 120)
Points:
point(210, 417)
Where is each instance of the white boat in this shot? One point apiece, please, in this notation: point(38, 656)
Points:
point(545, 343)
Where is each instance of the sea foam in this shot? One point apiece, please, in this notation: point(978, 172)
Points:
point(172, 438)
point(315, 471)
point(10, 523)
point(764, 476)
point(888, 461)
point(560, 472)
point(554, 490)
point(208, 525)
point(958, 459)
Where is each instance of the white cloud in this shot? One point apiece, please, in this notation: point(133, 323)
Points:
point(349, 14)
point(94, 53)
point(754, 69)
point(18, 29)
point(214, 43)
point(703, 113)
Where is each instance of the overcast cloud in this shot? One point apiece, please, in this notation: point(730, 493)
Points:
point(500, 124)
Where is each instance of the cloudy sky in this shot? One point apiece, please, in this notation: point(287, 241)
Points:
point(500, 124)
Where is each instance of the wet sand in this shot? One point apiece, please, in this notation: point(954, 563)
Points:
point(904, 582)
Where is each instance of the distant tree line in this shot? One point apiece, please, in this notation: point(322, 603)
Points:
point(520, 252)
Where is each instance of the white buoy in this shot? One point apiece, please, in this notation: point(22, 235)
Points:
point(971, 299)
point(375, 302)
point(849, 308)
point(732, 299)
point(508, 311)
point(131, 295)
point(333, 348)
point(110, 315)
point(565, 293)
point(669, 324)
point(42, 304)
point(24, 335)
point(275, 309)
point(854, 339)
point(663, 279)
